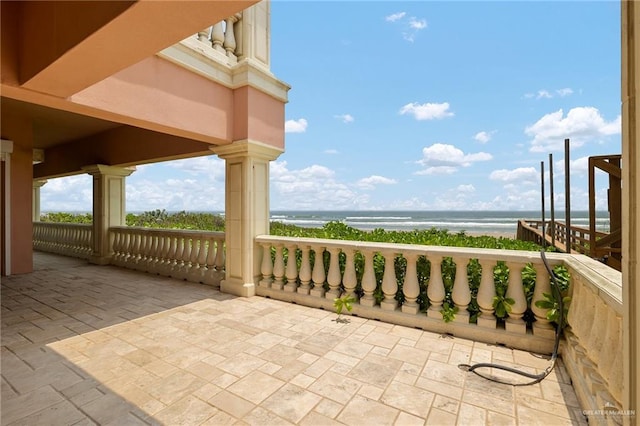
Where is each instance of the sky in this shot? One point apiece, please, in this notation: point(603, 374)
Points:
point(418, 105)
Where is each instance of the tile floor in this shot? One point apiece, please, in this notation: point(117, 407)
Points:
point(84, 344)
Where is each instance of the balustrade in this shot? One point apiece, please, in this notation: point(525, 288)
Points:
point(69, 239)
point(196, 256)
point(222, 36)
point(392, 277)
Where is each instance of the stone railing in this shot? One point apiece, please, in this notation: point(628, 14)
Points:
point(592, 350)
point(221, 37)
point(348, 266)
point(69, 239)
point(196, 256)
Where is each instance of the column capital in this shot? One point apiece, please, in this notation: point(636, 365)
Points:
point(39, 183)
point(247, 148)
point(101, 169)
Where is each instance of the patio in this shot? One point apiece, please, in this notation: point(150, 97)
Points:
point(85, 344)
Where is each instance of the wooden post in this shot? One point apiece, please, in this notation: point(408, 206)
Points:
point(567, 197)
point(551, 201)
point(544, 236)
point(592, 207)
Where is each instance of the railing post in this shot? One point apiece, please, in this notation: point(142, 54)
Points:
point(292, 269)
point(389, 282)
point(318, 275)
point(515, 291)
point(368, 280)
point(305, 271)
point(411, 287)
point(278, 269)
point(486, 293)
point(435, 289)
point(266, 268)
point(334, 277)
point(542, 326)
point(349, 280)
point(461, 294)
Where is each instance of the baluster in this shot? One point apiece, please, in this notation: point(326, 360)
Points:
point(202, 258)
point(292, 269)
point(486, 293)
point(117, 248)
point(278, 269)
point(135, 250)
point(266, 267)
point(209, 267)
point(144, 251)
point(318, 275)
point(230, 38)
point(515, 291)
point(203, 35)
point(305, 271)
point(220, 255)
point(217, 37)
point(194, 268)
point(185, 264)
point(334, 278)
point(435, 289)
point(389, 283)
point(411, 287)
point(176, 264)
point(152, 252)
point(368, 280)
point(163, 246)
point(542, 326)
point(461, 294)
point(126, 248)
point(349, 280)
point(170, 263)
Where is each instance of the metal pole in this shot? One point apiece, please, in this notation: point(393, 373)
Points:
point(551, 200)
point(544, 236)
point(567, 197)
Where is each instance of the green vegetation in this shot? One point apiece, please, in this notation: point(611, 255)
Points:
point(341, 231)
point(345, 301)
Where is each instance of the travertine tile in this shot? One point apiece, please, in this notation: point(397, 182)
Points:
point(187, 411)
point(231, 404)
point(408, 398)
point(352, 413)
point(30, 403)
point(256, 386)
point(291, 402)
point(439, 417)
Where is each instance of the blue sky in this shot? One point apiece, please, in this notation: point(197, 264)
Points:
point(418, 106)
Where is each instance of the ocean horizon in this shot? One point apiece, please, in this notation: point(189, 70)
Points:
point(474, 222)
point(471, 221)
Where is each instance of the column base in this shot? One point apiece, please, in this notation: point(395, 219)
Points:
point(237, 287)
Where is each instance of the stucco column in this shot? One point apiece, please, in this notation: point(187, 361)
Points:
point(108, 207)
point(37, 184)
point(246, 211)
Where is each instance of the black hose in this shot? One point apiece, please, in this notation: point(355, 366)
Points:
point(557, 294)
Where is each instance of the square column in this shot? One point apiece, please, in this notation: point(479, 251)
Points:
point(37, 184)
point(108, 207)
point(246, 211)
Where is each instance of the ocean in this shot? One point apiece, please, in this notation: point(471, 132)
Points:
point(472, 222)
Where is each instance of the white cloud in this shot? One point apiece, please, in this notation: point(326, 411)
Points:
point(581, 124)
point(331, 151)
point(395, 17)
point(417, 24)
point(412, 24)
point(67, 194)
point(346, 118)
point(521, 175)
point(484, 137)
point(546, 94)
point(564, 92)
point(295, 126)
point(211, 167)
point(543, 94)
point(312, 188)
point(427, 111)
point(371, 182)
point(466, 188)
point(446, 159)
